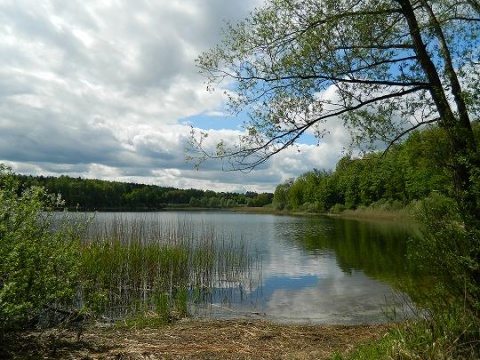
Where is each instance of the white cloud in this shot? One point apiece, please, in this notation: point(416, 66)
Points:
point(102, 89)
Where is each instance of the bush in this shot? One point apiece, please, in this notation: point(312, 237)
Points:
point(449, 254)
point(39, 252)
point(436, 208)
point(315, 207)
point(337, 209)
point(451, 336)
point(387, 205)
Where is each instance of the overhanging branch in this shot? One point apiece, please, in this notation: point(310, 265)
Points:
point(280, 142)
point(405, 132)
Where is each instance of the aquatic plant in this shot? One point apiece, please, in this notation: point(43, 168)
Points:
point(144, 270)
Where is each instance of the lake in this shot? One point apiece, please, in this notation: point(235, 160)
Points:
point(308, 269)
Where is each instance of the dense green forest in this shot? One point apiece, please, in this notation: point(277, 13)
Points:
point(89, 194)
point(408, 171)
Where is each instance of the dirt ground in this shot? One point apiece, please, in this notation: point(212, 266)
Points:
point(220, 339)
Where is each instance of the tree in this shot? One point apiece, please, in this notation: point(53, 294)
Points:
point(425, 158)
point(383, 67)
point(349, 172)
point(280, 197)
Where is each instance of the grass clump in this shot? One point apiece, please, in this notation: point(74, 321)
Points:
point(145, 272)
point(446, 336)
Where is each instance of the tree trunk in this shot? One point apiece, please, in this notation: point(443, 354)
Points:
point(458, 127)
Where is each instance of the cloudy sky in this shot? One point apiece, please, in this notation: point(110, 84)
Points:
point(108, 89)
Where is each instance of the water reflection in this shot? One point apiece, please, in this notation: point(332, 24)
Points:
point(376, 248)
point(310, 269)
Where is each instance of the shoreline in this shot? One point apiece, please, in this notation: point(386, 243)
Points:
point(391, 215)
point(198, 339)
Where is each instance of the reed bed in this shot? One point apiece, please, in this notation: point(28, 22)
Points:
point(139, 270)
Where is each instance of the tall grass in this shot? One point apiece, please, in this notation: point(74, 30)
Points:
point(150, 271)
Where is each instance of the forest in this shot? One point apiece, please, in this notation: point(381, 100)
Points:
point(386, 180)
point(92, 194)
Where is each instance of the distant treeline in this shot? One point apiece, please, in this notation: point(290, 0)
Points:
point(408, 171)
point(89, 194)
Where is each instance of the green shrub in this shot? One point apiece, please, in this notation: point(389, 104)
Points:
point(449, 254)
point(337, 209)
point(313, 207)
point(38, 256)
point(451, 336)
point(434, 209)
point(387, 205)
point(447, 324)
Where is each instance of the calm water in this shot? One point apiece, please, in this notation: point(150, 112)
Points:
point(309, 269)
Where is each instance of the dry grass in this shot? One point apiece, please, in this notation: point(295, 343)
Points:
point(232, 339)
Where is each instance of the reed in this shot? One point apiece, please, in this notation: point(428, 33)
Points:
point(148, 271)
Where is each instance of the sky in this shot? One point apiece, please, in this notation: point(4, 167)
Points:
point(109, 90)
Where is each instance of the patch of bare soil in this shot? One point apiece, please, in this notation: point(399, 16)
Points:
point(225, 339)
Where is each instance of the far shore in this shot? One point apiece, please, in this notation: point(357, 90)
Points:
point(367, 214)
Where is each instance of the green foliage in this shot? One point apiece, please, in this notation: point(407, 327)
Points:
point(89, 194)
point(450, 254)
point(337, 209)
point(280, 197)
point(451, 336)
point(39, 269)
point(407, 173)
point(427, 158)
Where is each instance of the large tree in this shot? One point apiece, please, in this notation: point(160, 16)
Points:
point(382, 67)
